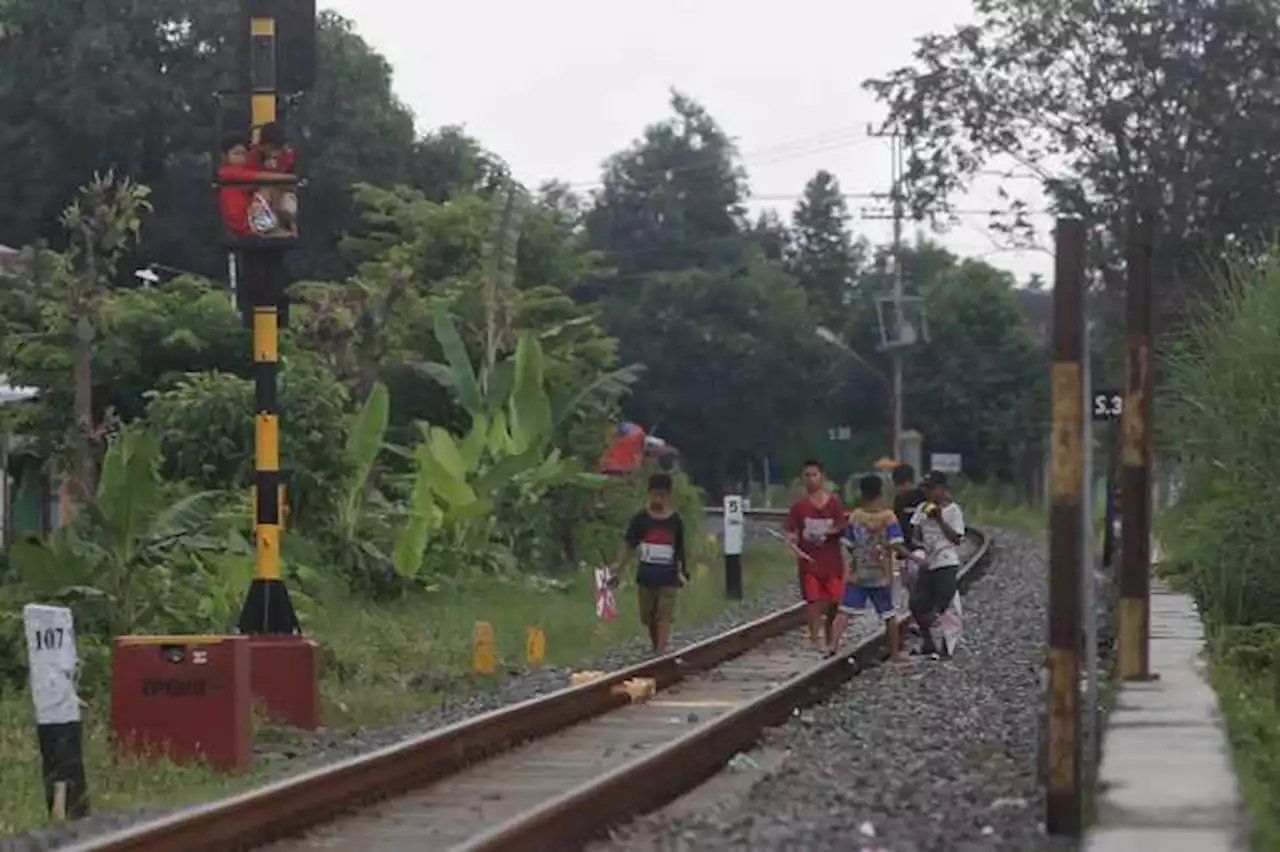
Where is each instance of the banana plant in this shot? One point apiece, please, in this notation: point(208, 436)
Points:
point(488, 390)
point(118, 555)
point(506, 451)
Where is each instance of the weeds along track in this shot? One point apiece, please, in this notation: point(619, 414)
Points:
point(545, 774)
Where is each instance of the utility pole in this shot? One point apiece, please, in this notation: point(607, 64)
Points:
point(1064, 798)
point(1135, 459)
point(897, 170)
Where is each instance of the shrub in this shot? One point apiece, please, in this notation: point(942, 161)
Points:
point(1218, 423)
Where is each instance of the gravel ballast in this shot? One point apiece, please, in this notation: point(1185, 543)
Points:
point(904, 758)
point(305, 752)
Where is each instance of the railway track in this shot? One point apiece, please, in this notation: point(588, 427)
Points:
point(545, 774)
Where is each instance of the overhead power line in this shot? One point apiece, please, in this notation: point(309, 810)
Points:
point(781, 152)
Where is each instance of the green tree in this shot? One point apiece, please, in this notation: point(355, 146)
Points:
point(152, 337)
point(979, 386)
point(674, 200)
point(824, 258)
point(204, 426)
point(771, 236)
point(729, 362)
point(1106, 104)
point(91, 86)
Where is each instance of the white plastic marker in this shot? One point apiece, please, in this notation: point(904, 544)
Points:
point(51, 654)
point(789, 543)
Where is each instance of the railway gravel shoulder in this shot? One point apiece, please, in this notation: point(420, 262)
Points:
point(307, 752)
point(911, 758)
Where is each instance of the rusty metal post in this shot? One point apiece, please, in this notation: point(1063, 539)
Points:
point(1135, 460)
point(1066, 531)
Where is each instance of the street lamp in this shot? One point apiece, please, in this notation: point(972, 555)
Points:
point(150, 277)
point(828, 336)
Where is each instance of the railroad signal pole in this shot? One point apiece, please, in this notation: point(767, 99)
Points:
point(1135, 459)
point(1066, 532)
point(259, 263)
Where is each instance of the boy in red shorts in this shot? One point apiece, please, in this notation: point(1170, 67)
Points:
point(814, 527)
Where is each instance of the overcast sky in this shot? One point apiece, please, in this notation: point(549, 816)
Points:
point(555, 86)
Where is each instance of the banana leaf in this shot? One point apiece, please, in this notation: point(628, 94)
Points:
point(465, 382)
point(530, 405)
point(472, 447)
point(365, 440)
point(453, 490)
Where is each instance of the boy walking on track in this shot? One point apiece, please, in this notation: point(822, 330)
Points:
point(906, 498)
point(814, 527)
point(656, 535)
point(873, 537)
point(941, 526)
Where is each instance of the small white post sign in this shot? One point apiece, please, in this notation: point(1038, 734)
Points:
point(51, 654)
point(734, 532)
point(734, 524)
point(945, 463)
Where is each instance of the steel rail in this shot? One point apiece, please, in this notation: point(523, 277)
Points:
point(648, 783)
point(303, 801)
point(263, 814)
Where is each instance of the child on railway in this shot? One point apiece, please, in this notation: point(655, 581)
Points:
point(246, 211)
point(873, 537)
point(656, 535)
point(941, 525)
point(906, 498)
point(273, 155)
point(814, 527)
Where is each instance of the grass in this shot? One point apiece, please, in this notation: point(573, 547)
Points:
point(997, 507)
point(382, 664)
point(1217, 418)
point(1250, 710)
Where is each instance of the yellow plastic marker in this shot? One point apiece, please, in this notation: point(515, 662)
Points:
point(579, 678)
point(637, 689)
point(535, 646)
point(485, 656)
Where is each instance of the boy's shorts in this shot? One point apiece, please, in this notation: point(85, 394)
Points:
point(657, 604)
point(880, 597)
point(828, 589)
point(934, 589)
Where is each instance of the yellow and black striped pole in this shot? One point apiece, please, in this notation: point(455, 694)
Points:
point(267, 609)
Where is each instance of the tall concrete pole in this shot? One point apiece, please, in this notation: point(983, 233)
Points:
point(898, 353)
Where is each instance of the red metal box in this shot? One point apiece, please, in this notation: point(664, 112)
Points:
point(184, 697)
point(285, 677)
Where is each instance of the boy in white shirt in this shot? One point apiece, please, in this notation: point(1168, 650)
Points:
point(941, 525)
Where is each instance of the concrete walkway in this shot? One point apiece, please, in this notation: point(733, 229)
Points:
point(1167, 783)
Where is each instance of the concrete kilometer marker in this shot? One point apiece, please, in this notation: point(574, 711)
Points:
point(51, 654)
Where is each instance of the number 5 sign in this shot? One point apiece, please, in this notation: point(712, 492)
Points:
point(1107, 405)
point(734, 518)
